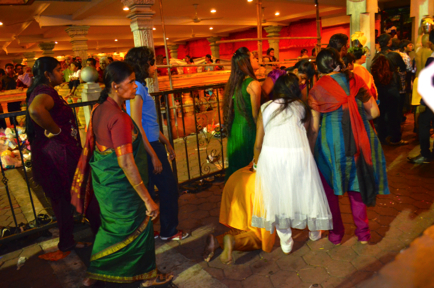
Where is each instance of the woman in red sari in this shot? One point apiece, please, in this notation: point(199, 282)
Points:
point(53, 135)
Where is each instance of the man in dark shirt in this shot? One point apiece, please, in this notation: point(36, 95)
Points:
point(10, 79)
point(389, 122)
point(340, 43)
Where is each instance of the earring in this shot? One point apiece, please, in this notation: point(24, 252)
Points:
point(116, 91)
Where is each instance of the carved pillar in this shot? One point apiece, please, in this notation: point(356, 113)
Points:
point(141, 25)
point(30, 58)
point(215, 48)
point(173, 50)
point(79, 41)
point(47, 48)
point(274, 31)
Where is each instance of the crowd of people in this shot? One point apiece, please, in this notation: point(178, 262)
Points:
point(323, 140)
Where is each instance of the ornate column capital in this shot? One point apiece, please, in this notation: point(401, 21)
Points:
point(77, 32)
point(30, 58)
point(173, 50)
point(47, 48)
point(141, 25)
point(273, 31)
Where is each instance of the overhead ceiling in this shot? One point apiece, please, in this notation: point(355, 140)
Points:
point(43, 21)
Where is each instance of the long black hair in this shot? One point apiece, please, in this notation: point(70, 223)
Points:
point(287, 91)
point(42, 65)
point(241, 67)
point(116, 72)
point(304, 67)
point(140, 58)
point(328, 61)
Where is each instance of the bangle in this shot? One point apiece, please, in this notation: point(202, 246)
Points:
point(137, 185)
point(254, 164)
point(52, 134)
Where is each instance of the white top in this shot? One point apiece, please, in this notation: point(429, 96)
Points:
point(75, 75)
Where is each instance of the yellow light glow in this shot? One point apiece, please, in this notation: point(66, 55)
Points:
point(277, 13)
point(154, 28)
point(116, 40)
point(167, 38)
point(1, 23)
point(126, 8)
point(210, 28)
point(213, 10)
point(55, 42)
point(249, 0)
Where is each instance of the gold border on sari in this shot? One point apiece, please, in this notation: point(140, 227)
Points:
point(119, 279)
point(124, 149)
point(118, 246)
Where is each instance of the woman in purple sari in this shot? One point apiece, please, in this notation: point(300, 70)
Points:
point(53, 135)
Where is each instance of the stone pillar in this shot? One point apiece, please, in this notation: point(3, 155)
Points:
point(79, 41)
point(173, 50)
point(215, 48)
point(47, 48)
point(274, 31)
point(141, 25)
point(30, 56)
point(418, 10)
point(363, 20)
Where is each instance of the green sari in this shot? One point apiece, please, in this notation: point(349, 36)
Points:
point(124, 249)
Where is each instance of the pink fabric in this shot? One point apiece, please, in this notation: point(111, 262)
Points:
point(359, 213)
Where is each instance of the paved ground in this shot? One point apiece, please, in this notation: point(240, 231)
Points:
point(396, 221)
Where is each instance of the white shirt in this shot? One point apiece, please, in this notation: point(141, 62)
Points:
point(75, 75)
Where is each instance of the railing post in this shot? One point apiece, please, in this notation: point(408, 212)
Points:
point(169, 130)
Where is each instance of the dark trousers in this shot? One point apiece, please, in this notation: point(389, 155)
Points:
point(389, 122)
point(401, 105)
point(63, 210)
point(425, 119)
point(167, 191)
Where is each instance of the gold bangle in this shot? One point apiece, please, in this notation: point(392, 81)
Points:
point(137, 185)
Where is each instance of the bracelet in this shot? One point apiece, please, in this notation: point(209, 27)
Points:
point(137, 185)
point(254, 164)
point(52, 134)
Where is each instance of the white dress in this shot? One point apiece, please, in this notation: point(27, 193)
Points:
point(288, 191)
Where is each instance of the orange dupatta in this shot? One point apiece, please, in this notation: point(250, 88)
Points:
point(327, 96)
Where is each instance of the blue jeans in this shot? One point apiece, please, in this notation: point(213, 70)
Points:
point(167, 191)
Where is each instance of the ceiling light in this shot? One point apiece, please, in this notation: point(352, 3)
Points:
point(167, 38)
point(213, 10)
point(277, 13)
point(249, 0)
point(125, 8)
point(116, 40)
point(55, 42)
point(210, 28)
point(154, 28)
point(1, 23)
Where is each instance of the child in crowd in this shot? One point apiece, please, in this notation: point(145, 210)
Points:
point(74, 78)
point(288, 190)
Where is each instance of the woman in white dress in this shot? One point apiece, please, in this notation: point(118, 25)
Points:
point(288, 191)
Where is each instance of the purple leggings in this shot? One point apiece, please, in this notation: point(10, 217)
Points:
point(358, 209)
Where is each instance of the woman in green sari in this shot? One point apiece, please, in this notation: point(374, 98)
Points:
point(124, 249)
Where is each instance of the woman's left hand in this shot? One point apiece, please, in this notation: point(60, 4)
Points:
point(172, 154)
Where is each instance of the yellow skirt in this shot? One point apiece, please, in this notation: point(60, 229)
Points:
point(237, 206)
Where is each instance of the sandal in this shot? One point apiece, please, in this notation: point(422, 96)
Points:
point(399, 143)
point(54, 256)
point(161, 281)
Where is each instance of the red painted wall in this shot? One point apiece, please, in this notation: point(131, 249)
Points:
point(289, 48)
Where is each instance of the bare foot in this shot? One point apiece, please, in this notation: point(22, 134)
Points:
point(88, 282)
point(211, 246)
point(162, 279)
point(229, 243)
